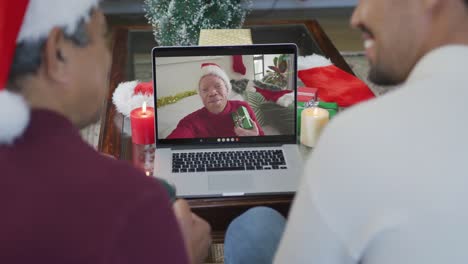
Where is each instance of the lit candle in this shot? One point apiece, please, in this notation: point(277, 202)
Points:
point(142, 122)
point(313, 120)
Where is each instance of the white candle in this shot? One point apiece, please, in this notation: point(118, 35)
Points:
point(313, 120)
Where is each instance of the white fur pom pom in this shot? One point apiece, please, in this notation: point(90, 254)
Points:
point(125, 100)
point(122, 95)
point(312, 61)
point(14, 116)
point(286, 99)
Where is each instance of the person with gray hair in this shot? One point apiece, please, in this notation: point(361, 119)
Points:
point(60, 200)
point(387, 180)
point(214, 119)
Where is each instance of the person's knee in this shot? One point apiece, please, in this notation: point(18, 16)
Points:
point(262, 214)
point(254, 236)
point(256, 218)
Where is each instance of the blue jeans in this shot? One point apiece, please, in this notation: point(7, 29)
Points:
point(253, 237)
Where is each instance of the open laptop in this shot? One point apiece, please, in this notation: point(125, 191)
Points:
point(202, 152)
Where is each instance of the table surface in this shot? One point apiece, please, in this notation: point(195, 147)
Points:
point(131, 46)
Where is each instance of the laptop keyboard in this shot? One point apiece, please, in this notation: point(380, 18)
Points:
point(228, 161)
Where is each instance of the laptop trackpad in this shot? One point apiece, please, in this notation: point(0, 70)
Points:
point(230, 182)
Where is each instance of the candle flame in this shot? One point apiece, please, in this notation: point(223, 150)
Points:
point(148, 173)
point(144, 107)
point(316, 111)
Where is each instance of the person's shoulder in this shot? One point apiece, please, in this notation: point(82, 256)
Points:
point(350, 141)
point(122, 175)
point(118, 179)
point(360, 123)
point(125, 186)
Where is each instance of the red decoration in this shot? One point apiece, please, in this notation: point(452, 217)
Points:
point(10, 25)
point(142, 122)
point(144, 88)
point(336, 85)
point(238, 64)
point(272, 95)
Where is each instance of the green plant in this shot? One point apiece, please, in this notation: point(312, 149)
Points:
point(278, 73)
point(267, 86)
point(178, 22)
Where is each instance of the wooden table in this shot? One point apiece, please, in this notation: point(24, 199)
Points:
point(129, 41)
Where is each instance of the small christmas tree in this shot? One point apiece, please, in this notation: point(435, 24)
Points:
point(178, 22)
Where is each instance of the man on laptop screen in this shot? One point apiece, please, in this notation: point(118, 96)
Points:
point(226, 119)
point(219, 117)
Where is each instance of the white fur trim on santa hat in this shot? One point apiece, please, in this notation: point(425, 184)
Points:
point(14, 116)
point(312, 61)
point(43, 15)
point(217, 71)
point(286, 100)
point(125, 100)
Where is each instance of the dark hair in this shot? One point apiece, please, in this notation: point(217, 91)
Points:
point(28, 54)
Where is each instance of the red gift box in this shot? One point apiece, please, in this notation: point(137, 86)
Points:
point(305, 94)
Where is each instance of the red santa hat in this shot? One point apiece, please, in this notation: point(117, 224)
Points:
point(332, 83)
point(214, 69)
point(29, 20)
point(130, 95)
point(283, 97)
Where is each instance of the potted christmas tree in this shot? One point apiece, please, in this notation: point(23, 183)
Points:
point(277, 74)
point(178, 22)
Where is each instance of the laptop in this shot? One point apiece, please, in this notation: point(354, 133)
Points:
point(215, 138)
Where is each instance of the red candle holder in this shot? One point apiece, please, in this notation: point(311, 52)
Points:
point(142, 122)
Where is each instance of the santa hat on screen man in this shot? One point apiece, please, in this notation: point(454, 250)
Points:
point(214, 69)
point(23, 21)
point(332, 83)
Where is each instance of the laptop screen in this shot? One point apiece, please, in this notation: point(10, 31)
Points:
point(225, 95)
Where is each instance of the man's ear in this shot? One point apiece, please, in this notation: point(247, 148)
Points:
point(55, 57)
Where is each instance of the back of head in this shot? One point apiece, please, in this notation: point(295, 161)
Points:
point(34, 30)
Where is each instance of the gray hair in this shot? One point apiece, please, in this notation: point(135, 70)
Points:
point(28, 54)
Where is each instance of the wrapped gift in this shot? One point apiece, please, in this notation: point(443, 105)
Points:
point(306, 94)
point(331, 107)
point(328, 105)
point(241, 118)
point(221, 37)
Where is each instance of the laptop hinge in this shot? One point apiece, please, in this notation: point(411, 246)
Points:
point(262, 145)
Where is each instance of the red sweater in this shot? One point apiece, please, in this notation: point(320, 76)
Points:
point(203, 124)
point(63, 202)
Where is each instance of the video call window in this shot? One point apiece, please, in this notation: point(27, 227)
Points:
point(188, 101)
